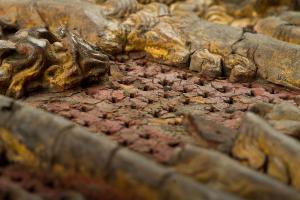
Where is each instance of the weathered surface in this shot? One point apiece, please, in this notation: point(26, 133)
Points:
point(150, 107)
point(243, 13)
point(62, 141)
point(143, 105)
point(208, 134)
point(261, 147)
point(220, 172)
point(284, 27)
point(247, 55)
point(206, 64)
point(64, 148)
point(36, 58)
point(156, 110)
point(19, 182)
point(283, 117)
point(165, 34)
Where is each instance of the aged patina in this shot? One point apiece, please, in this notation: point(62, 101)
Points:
point(168, 34)
point(191, 99)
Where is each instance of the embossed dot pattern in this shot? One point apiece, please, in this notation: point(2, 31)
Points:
point(142, 104)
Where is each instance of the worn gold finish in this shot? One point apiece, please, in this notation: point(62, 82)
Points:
point(170, 32)
point(36, 58)
point(16, 151)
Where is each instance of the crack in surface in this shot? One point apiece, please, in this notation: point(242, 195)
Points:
point(58, 140)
